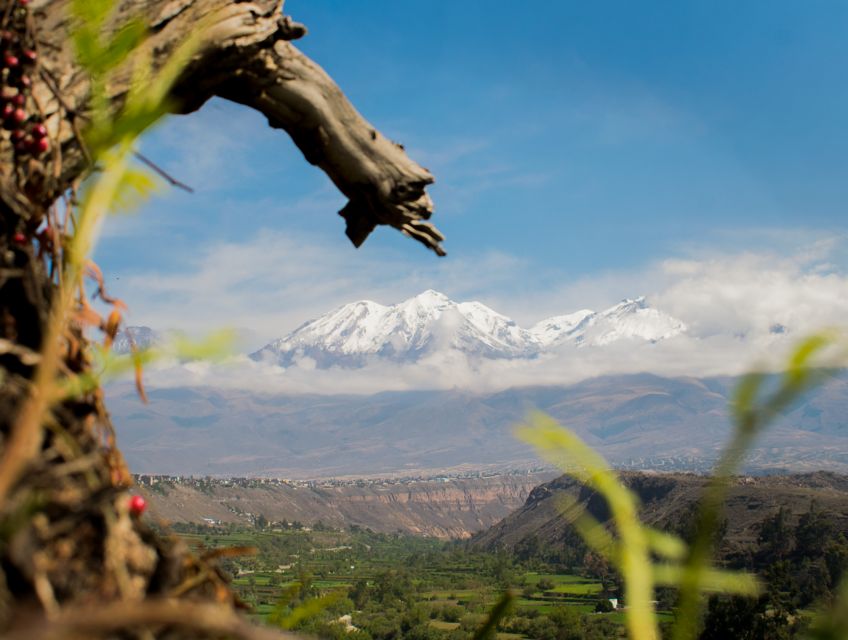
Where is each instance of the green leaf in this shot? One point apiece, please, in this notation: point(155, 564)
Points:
point(124, 42)
point(87, 46)
point(92, 12)
point(632, 559)
point(711, 580)
point(135, 187)
point(216, 346)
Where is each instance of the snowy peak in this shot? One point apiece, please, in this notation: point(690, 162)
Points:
point(627, 306)
point(139, 337)
point(633, 319)
point(559, 329)
point(429, 298)
point(629, 319)
point(431, 322)
point(406, 331)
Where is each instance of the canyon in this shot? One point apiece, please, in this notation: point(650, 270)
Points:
point(445, 507)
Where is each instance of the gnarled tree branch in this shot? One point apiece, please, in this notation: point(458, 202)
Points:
point(248, 58)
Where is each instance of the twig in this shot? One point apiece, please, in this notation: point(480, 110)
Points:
point(26, 356)
point(164, 174)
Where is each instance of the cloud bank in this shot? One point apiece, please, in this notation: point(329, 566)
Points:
point(742, 310)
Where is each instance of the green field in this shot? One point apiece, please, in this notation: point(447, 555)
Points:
point(396, 586)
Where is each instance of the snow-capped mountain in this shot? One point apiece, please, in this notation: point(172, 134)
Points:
point(430, 322)
point(142, 337)
point(404, 332)
point(628, 319)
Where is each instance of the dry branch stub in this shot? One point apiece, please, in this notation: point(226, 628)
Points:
point(76, 557)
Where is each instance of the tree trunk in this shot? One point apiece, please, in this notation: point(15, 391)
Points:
point(68, 536)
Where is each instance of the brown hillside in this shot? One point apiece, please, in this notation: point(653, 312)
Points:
point(668, 501)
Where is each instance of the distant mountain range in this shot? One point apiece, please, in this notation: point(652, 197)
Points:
point(404, 332)
point(638, 421)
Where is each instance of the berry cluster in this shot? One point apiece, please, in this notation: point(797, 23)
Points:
point(17, 62)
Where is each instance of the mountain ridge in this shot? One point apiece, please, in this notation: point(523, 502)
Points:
point(641, 421)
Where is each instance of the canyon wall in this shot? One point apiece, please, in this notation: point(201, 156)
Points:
point(443, 508)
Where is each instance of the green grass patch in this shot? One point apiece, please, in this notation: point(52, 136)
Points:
point(444, 626)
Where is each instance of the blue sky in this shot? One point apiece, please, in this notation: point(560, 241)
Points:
point(579, 150)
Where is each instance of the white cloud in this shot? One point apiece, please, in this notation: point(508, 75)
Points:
point(741, 309)
point(751, 293)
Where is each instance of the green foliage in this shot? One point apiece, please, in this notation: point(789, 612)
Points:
point(401, 587)
point(545, 584)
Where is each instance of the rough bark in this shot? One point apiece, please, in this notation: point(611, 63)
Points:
point(68, 539)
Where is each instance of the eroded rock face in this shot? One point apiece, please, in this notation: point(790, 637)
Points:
point(444, 508)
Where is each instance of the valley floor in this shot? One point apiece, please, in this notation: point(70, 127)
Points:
point(391, 586)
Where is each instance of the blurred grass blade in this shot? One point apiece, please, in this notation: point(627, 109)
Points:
point(308, 609)
point(216, 346)
point(752, 411)
point(488, 629)
point(576, 458)
point(593, 532)
point(712, 580)
point(666, 545)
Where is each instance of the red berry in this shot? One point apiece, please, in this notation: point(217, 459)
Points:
point(40, 145)
point(19, 100)
point(30, 55)
point(137, 505)
point(23, 3)
point(8, 110)
point(18, 135)
point(19, 238)
point(19, 115)
point(39, 130)
point(11, 61)
point(25, 81)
